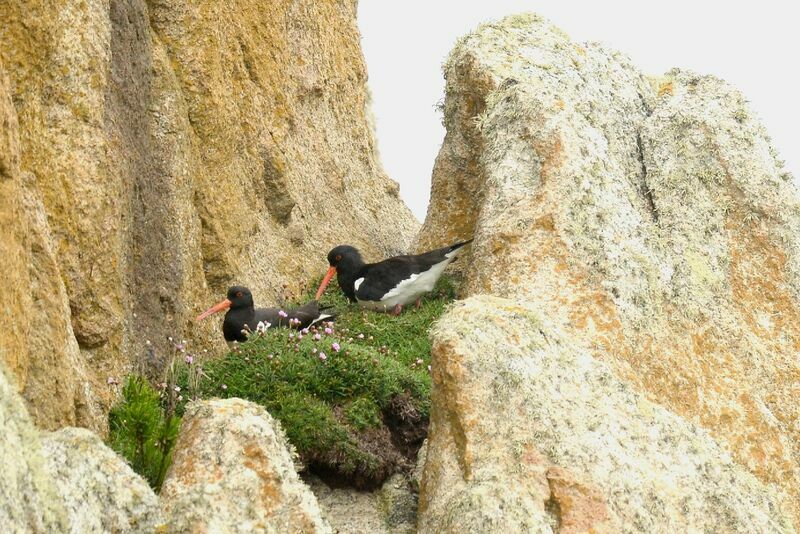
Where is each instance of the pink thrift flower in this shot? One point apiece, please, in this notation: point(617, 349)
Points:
point(360, 336)
point(419, 361)
point(291, 335)
point(317, 337)
point(180, 398)
point(189, 359)
point(335, 347)
point(329, 330)
point(322, 356)
point(224, 386)
point(314, 350)
point(112, 381)
point(177, 388)
point(282, 313)
point(304, 330)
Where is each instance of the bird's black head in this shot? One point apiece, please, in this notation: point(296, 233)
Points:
point(240, 297)
point(344, 260)
point(344, 254)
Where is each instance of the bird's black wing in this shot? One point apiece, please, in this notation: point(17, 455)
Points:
point(310, 312)
point(382, 277)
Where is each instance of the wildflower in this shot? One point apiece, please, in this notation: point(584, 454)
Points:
point(283, 314)
point(304, 330)
point(224, 386)
point(371, 338)
point(322, 356)
point(300, 336)
point(350, 339)
point(419, 361)
point(429, 368)
point(112, 381)
point(314, 350)
point(177, 389)
point(169, 339)
point(328, 330)
point(180, 398)
point(291, 335)
point(269, 357)
point(262, 327)
point(335, 347)
point(360, 336)
point(147, 342)
point(317, 337)
point(189, 359)
point(180, 347)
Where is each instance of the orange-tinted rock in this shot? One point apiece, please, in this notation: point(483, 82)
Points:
point(153, 153)
point(232, 471)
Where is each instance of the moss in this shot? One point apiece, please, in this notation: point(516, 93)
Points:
point(363, 413)
point(359, 414)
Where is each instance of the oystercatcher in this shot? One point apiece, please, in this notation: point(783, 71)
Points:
point(242, 316)
point(388, 285)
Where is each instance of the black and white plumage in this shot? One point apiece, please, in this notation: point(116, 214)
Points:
point(243, 316)
point(389, 284)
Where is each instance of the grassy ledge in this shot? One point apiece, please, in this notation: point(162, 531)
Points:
point(353, 395)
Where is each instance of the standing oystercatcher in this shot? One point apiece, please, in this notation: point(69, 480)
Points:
point(243, 317)
point(390, 284)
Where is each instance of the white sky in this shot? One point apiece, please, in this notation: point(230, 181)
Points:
point(753, 45)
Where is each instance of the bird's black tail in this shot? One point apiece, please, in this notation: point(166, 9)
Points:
point(459, 245)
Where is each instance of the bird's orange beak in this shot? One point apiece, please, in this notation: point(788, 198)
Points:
point(325, 282)
point(218, 307)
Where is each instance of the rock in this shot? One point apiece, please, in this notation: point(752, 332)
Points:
point(66, 481)
point(152, 153)
point(577, 448)
point(390, 509)
point(100, 492)
point(29, 501)
point(232, 471)
point(648, 218)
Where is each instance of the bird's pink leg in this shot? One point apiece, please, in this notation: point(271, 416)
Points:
point(397, 309)
point(418, 303)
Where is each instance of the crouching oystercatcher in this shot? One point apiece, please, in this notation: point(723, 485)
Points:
point(243, 316)
point(390, 284)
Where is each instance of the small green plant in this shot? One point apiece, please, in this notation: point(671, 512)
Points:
point(143, 430)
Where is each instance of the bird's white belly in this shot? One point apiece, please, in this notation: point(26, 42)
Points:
point(408, 290)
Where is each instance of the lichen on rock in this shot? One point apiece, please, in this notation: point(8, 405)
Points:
point(232, 471)
point(576, 449)
point(100, 492)
point(649, 217)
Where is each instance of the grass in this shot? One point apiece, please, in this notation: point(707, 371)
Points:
point(359, 414)
point(143, 430)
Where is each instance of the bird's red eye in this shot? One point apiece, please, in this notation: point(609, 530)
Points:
point(338, 257)
point(239, 293)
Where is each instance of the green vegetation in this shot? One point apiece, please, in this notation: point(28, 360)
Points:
point(143, 431)
point(353, 396)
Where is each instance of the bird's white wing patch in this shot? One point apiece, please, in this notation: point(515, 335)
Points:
point(322, 317)
point(358, 282)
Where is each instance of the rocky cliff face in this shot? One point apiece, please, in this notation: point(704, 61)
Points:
point(650, 221)
point(154, 152)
